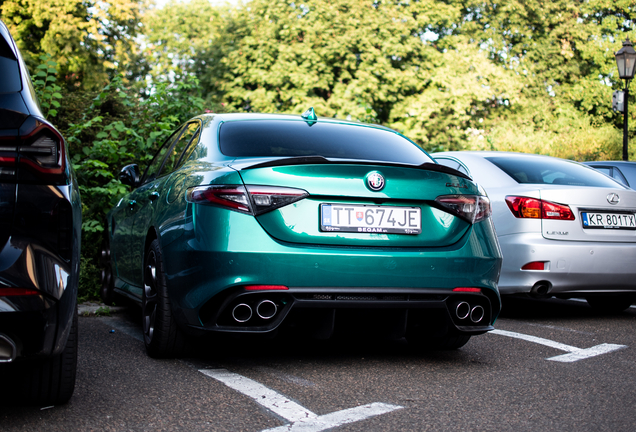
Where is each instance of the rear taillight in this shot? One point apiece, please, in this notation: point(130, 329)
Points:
point(41, 152)
point(533, 208)
point(8, 155)
point(11, 292)
point(248, 199)
point(473, 208)
point(7, 164)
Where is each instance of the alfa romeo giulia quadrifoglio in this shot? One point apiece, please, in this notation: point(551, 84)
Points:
point(260, 223)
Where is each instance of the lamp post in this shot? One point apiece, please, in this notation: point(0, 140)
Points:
point(625, 60)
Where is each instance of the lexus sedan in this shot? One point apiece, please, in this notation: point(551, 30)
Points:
point(565, 229)
point(251, 224)
point(40, 222)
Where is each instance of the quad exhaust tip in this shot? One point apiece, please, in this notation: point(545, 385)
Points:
point(8, 349)
point(266, 309)
point(464, 310)
point(242, 313)
point(477, 314)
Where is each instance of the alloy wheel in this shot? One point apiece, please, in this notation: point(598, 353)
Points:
point(149, 303)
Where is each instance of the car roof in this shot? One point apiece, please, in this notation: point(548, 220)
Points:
point(224, 117)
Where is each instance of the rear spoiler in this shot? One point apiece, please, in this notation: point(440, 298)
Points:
point(320, 160)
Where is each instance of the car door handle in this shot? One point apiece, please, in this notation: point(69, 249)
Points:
point(153, 196)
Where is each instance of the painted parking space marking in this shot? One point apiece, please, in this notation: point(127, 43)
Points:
point(300, 418)
point(574, 353)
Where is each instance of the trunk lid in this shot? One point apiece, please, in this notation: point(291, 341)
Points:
point(588, 202)
point(346, 184)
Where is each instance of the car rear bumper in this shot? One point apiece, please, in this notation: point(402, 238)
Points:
point(205, 279)
point(321, 310)
point(573, 268)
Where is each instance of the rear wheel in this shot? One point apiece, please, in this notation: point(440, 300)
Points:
point(162, 337)
point(610, 304)
point(107, 288)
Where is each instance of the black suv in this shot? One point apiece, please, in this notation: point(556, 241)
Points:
point(40, 223)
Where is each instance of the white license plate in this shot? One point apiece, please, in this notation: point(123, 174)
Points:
point(370, 219)
point(609, 220)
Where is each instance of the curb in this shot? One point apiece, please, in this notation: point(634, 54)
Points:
point(98, 309)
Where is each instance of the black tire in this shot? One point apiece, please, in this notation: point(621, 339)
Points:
point(107, 288)
point(610, 304)
point(437, 343)
point(162, 337)
point(43, 383)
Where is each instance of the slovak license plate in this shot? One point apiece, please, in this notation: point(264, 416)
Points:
point(609, 220)
point(370, 219)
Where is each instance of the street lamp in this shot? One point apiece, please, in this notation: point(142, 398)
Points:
point(625, 60)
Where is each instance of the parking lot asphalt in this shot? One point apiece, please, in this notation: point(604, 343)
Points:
point(498, 381)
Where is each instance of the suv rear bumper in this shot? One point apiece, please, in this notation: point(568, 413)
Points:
point(41, 255)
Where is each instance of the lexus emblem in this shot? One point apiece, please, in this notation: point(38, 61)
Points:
point(375, 181)
point(613, 198)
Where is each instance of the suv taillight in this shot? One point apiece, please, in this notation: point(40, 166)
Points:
point(7, 162)
point(41, 152)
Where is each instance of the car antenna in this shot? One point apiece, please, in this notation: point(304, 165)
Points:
point(310, 116)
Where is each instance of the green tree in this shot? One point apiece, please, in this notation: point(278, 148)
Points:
point(347, 58)
point(90, 40)
point(563, 55)
point(187, 39)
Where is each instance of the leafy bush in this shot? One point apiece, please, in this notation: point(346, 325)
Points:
point(565, 134)
point(115, 128)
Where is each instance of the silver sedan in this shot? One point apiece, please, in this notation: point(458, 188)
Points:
point(565, 229)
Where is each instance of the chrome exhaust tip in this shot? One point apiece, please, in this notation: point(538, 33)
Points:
point(462, 310)
point(266, 309)
point(242, 313)
point(8, 349)
point(477, 314)
point(541, 289)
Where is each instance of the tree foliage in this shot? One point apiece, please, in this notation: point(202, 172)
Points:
point(187, 39)
point(90, 40)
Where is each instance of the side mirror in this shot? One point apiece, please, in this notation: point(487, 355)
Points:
point(129, 175)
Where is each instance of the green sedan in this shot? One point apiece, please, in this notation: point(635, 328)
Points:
point(263, 223)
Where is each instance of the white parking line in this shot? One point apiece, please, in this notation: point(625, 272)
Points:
point(301, 418)
point(574, 353)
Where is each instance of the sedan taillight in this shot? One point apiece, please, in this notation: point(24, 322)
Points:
point(473, 208)
point(250, 199)
point(533, 208)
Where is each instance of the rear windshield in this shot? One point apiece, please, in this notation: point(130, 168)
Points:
point(539, 170)
point(281, 138)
